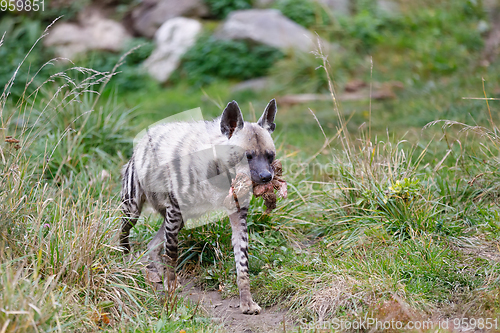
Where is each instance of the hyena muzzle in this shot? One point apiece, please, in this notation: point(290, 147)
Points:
point(184, 169)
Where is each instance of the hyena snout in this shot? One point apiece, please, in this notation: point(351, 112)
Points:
point(261, 175)
point(261, 170)
point(265, 176)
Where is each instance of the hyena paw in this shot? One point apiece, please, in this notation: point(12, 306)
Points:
point(249, 307)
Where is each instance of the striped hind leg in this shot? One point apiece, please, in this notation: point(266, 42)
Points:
point(173, 224)
point(167, 236)
point(132, 201)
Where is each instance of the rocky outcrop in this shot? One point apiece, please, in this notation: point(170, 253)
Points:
point(92, 32)
point(269, 27)
point(172, 40)
point(151, 14)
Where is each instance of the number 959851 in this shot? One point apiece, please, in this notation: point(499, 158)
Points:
point(22, 5)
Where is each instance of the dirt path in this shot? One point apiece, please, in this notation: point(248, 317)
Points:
point(227, 312)
point(224, 311)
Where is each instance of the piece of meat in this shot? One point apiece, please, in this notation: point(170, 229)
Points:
point(240, 186)
point(242, 183)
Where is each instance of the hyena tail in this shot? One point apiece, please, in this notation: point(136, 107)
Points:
point(132, 201)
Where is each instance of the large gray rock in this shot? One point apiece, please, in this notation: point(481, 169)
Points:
point(93, 32)
point(172, 39)
point(151, 14)
point(267, 26)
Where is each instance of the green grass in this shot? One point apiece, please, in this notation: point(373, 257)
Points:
point(59, 184)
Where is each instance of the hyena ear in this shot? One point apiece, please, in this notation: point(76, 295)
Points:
point(231, 119)
point(266, 121)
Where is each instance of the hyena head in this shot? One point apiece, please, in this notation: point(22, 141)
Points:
point(254, 139)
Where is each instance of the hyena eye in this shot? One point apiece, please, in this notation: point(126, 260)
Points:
point(270, 156)
point(249, 156)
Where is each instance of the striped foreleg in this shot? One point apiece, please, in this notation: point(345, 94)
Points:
point(240, 247)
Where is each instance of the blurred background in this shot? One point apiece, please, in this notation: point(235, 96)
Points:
point(418, 58)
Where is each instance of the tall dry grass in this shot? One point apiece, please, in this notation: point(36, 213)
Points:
point(60, 150)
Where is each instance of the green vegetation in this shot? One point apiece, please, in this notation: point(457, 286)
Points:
point(306, 13)
point(132, 76)
point(393, 203)
point(221, 8)
point(20, 35)
point(59, 179)
point(210, 59)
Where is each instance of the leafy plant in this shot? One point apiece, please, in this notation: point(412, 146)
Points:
point(211, 58)
point(21, 33)
point(221, 8)
point(364, 27)
point(305, 12)
point(407, 189)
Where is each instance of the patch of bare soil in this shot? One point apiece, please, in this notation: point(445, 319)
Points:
point(482, 249)
point(227, 312)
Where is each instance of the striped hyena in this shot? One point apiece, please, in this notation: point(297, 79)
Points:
point(185, 169)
